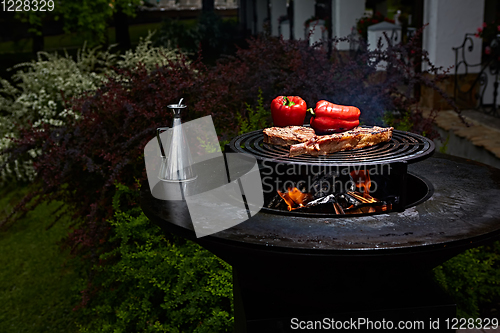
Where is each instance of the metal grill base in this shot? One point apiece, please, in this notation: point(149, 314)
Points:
point(277, 299)
point(282, 260)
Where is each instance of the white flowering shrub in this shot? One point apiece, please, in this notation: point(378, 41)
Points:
point(148, 55)
point(39, 92)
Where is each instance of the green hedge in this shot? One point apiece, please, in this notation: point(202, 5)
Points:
point(472, 278)
point(155, 282)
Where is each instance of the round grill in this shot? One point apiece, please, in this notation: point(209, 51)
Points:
point(403, 146)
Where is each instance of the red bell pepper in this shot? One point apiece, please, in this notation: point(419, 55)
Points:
point(288, 111)
point(332, 118)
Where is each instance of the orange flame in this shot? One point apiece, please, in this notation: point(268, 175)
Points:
point(362, 181)
point(294, 198)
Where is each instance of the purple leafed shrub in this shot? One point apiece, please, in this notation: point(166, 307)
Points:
point(81, 161)
point(279, 67)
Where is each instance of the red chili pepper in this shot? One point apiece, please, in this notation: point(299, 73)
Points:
point(332, 118)
point(288, 111)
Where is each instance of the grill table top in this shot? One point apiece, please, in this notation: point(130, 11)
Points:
point(462, 212)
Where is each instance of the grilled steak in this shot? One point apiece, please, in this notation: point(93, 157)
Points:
point(287, 136)
point(358, 137)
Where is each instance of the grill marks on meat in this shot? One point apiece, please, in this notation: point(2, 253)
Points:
point(287, 136)
point(302, 141)
point(358, 137)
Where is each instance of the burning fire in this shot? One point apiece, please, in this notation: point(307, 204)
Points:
point(360, 202)
point(362, 181)
point(294, 198)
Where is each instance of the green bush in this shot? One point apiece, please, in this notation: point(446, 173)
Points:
point(153, 282)
point(256, 118)
point(472, 278)
point(148, 55)
point(38, 97)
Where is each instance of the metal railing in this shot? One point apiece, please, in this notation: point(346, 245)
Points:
point(476, 85)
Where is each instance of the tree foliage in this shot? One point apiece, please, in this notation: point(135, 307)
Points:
point(91, 16)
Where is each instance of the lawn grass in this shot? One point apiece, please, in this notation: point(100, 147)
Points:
point(37, 285)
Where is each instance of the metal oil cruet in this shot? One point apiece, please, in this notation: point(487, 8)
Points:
point(177, 166)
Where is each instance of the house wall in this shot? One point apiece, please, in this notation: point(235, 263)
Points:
point(345, 13)
point(302, 11)
point(278, 8)
point(262, 14)
point(449, 21)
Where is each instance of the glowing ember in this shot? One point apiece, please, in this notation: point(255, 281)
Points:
point(294, 198)
point(370, 209)
point(365, 198)
point(338, 209)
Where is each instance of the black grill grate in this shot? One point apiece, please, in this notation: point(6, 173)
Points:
point(403, 146)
